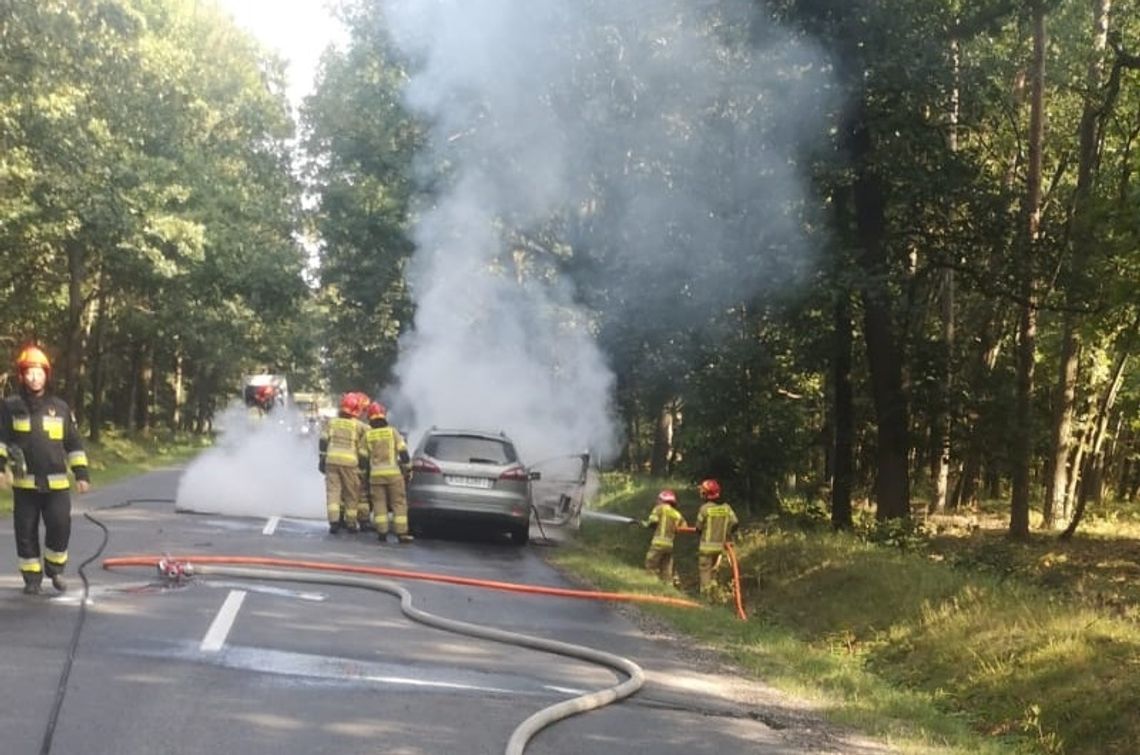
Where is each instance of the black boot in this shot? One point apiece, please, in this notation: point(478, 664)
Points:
point(59, 583)
point(32, 587)
point(334, 527)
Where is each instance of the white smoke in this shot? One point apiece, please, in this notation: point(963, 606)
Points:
point(668, 128)
point(259, 468)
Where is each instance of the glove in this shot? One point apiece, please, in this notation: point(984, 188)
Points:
point(321, 465)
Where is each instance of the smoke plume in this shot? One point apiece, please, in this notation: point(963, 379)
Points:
point(259, 468)
point(645, 149)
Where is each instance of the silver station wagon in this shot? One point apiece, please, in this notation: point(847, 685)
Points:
point(471, 476)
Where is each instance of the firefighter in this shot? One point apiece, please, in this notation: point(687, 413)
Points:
point(262, 401)
point(388, 467)
point(39, 440)
point(716, 521)
point(342, 455)
point(665, 519)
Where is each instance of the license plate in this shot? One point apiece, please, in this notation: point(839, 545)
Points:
point(468, 482)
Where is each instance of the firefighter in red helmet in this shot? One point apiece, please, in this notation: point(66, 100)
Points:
point(342, 455)
point(39, 440)
point(716, 522)
point(388, 465)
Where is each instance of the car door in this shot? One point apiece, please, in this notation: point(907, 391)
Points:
point(562, 485)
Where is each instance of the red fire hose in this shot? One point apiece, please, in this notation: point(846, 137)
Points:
point(737, 596)
point(562, 592)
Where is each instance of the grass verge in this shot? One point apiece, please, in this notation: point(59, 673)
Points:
point(118, 456)
point(910, 641)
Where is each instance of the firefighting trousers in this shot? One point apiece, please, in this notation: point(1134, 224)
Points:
point(389, 494)
point(659, 560)
point(54, 508)
point(342, 493)
point(707, 564)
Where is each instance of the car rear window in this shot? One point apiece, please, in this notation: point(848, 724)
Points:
point(470, 449)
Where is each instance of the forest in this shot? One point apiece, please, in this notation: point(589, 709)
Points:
point(881, 254)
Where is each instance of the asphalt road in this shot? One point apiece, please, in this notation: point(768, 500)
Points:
point(223, 665)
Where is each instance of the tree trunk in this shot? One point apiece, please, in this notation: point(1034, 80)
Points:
point(179, 399)
point(842, 457)
point(98, 367)
point(1081, 245)
point(662, 439)
point(1027, 328)
point(892, 478)
point(1096, 447)
point(73, 338)
point(131, 419)
point(944, 427)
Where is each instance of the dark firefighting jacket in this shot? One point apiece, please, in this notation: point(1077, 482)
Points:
point(40, 440)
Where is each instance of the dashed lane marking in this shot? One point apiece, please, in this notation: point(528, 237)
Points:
point(271, 525)
point(220, 629)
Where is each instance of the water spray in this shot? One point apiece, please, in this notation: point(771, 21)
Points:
point(603, 516)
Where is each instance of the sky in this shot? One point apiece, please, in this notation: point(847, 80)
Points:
point(297, 30)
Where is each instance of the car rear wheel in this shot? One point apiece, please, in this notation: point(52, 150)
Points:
point(520, 534)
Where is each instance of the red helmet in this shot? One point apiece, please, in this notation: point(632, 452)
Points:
point(350, 403)
point(265, 393)
point(33, 356)
point(362, 402)
point(376, 410)
point(667, 496)
point(709, 489)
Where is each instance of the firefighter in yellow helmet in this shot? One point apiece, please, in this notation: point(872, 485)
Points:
point(388, 466)
point(665, 519)
point(716, 521)
point(342, 455)
point(39, 440)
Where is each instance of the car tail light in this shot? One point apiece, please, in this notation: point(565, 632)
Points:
point(516, 473)
point(423, 465)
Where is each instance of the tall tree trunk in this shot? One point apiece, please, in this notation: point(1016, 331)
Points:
point(73, 337)
point(1027, 328)
point(1096, 447)
point(842, 457)
point(1081, 244)
point(946, 423)
point(1076, 465)
point(662, 439)
point(179, 397)
point(144, 384)
point(966, 491)
point(98, 367)
point(892, 479)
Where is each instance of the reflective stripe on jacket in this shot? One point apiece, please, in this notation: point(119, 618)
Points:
point(715, 521)
point(43, 432)
point(384, 445)
point(667, 519)
point(342, 442)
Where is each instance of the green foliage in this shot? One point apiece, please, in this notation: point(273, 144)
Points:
point(361, 144)
point(149, 207)
point(1013, 639)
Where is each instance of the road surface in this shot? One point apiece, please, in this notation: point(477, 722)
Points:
point(223, 665)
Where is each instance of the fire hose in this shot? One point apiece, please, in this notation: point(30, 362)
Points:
point(177, 569)
point(737, 596)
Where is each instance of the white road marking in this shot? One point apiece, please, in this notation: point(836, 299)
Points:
point(216, 635)
point(271, 525)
